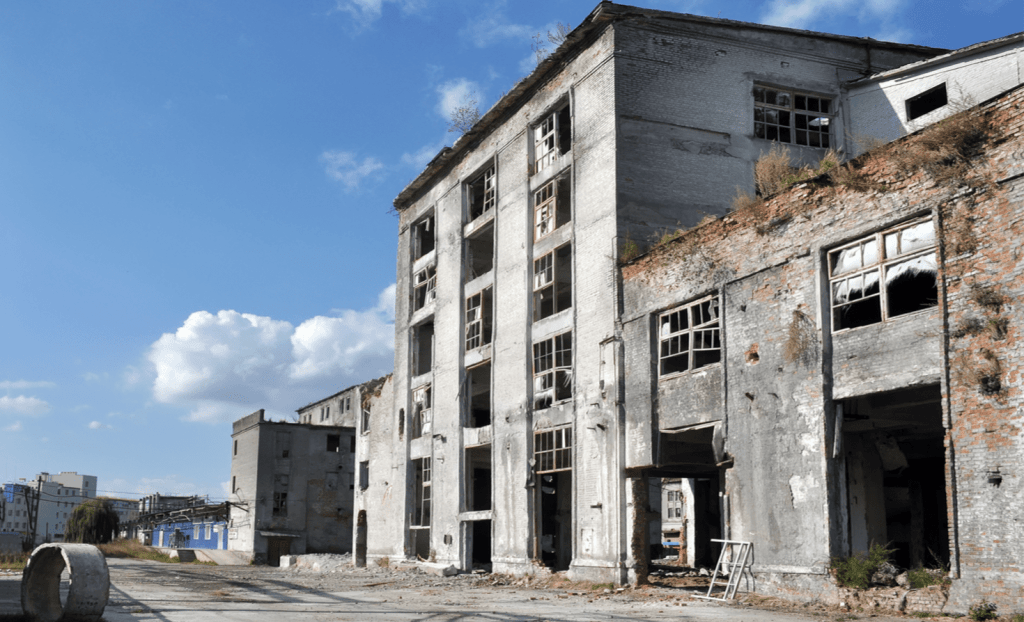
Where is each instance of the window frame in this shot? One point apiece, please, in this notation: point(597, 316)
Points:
point(547, 373)
point(479, 319)
point(422, 506)
point(422, 404)
point(711, 328)
point(548, 139)
point(551, 273)
point(552, 450)
point(424, 287)
point(489, 179)
point(881, 266)
point(429, 221)
point(793, 111)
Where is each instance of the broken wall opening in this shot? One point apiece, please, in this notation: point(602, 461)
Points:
point(553, 502)
point(480, 252)
point(479, 414)
point(690, 455)
point(478, 478)
point(896, 475)
point(423, 237)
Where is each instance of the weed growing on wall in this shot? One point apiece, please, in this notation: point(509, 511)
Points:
point(855, 571)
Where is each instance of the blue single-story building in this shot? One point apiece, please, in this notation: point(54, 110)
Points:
point(189, 535)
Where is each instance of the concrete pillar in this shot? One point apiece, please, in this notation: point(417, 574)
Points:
point(360, 553)
point(90, 583)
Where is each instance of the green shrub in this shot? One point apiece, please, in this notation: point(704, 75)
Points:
point(856, 570)
point(1017, 617)
point(983, 611)
point(93, 522)
point(919, 577)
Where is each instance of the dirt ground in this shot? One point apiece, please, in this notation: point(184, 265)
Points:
point(144, 591)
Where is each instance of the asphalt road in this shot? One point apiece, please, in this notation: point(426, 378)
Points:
point(143, 591)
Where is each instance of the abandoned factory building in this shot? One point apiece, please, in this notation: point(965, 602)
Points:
point(508, 438)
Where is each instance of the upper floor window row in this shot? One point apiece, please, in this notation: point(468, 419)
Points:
point(792, 117)
point(884, 275)
point(552, 137)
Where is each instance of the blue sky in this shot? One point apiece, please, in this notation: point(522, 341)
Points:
point(195, 198)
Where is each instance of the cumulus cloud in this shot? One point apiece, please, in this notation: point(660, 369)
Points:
point(14, 427)
point(345, 167)
point(226, 365)
point(97, 425)
point(493, 27)
point(455, 93)
point(23, 405)
point(811, 13)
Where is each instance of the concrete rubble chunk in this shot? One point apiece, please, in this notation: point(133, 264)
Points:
point(441, 570)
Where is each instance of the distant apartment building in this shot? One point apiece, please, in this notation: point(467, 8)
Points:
point(39, 508)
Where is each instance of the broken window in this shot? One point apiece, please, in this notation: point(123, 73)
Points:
point(551, 138)
point(552, 205)
point(690, 337)
point(479, 379)
point(481, 194)
point(884, 275)
point(552, 450)
point(334, 443)
point(346, 403)
point(423, 237)
point(478, 319)
point(932, 99)
point(364, 475)
point(421, 516)
point(325, 413)
point(552, 282)
point(365, 422)
point(424, 284)
point(283, 444)
point(552, 370)
point(790, 117)
point(480, 252)
point(421, 401)
point(280, 507)
point(423, 348)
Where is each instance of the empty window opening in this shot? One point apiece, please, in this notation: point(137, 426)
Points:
point(481, 194)
point(235, 453)
point(552, 370)
point(932, 99)
point(283, 444)
point(553, 487)
point(790, 117)
point(365, 419)
point(234, 484)
point(478, 479)
point(423, 237)
point(421, 401)
point(346, 403)
point(479, 396)
point(895, 474)
point(420, 519)
point(334, 443)
point(280, 507)
point(401, 424)
point(480, 252)
point(424, 287)
point(352, 444)
point(423, 348)
point(884, 275)
point(551, 138)
point(478, 319)
point(552, 282)
point(689, 337)
point(552, 205)
point(364, 475)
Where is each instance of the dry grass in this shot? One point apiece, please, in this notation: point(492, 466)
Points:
point(134, 549)
point(13, 561)
point(982, 369)
point(772, 170)
point(800, 338)
point(628, 251)
point(945, 149)
point(987, 296)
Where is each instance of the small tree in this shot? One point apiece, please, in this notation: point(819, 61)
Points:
point(93, 522)
point(464, 116)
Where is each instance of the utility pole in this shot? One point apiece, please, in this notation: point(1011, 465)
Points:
point(32, 509)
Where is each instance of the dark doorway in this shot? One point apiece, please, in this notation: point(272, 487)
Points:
point(481, 544)
point(555, 492)
point(276, 547)
point(896, 475)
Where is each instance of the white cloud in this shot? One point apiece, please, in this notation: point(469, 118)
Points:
point(171, 485)
point(227, 365)
point(26, 384)
point(96, 425)
point(813, 14)
point(455, 93)
point(132, 376)
point(343, 166)
point(366, 12)
point(422, 157)
point(30, 406)
point(493, 28)
point(14, 427)
point(94, 377)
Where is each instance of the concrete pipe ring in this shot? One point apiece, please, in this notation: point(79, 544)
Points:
point(90, 583)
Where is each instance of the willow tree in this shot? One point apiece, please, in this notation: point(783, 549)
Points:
point(93, 522)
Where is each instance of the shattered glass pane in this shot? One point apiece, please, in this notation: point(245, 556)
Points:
point(911, 285)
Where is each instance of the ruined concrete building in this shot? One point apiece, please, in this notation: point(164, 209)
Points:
point(508, 438)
